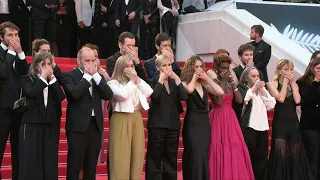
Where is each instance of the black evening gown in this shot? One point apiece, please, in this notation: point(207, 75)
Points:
point(288, 159)
point(196, 138)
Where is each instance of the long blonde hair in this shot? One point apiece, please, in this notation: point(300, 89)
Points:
point(118, 73)
point(280, 65)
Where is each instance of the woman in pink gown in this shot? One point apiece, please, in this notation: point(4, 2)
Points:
point(229, 157)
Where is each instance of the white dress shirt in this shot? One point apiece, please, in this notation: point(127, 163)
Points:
point(260, 105)
point(4, 6)
point(21, 56)
point(46, 89)
point(96, 77)
point(129, 97)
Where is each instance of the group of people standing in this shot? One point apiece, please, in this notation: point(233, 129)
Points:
point(228, 141)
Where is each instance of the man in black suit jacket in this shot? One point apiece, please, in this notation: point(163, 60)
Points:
point(127, 15)
point(84, 88)
point(163, 45)
point(13, 65)
point(245, 53)
point(18, 13)
point(44, 16)
point(262, 52)
point(127, 46)
point(112, 32)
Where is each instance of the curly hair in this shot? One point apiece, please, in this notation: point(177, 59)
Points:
point(218, 60)
point(188, 70)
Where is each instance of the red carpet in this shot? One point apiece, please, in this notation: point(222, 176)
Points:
point(142, 177)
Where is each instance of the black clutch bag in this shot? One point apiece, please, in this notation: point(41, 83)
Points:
point(21, 104)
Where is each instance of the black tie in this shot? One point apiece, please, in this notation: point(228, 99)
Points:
point(90, 3)
point(205, 4)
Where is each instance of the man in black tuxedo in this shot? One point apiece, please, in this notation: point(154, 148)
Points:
point(127, 46)
point(13, 65)
point(163, 45)
point(127, 15)
point(17, 12)
point(112, 32)
point(262, 52)
point(44, 16)
point(84, 88)
point(245, 53)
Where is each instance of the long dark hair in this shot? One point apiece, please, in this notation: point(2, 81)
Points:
point(309, 74)
point(37, 60)
point(314, 55)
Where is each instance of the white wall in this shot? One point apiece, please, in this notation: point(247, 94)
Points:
point(204, 33)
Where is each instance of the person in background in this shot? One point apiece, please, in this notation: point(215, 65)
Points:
point(127, 46)
point(41, 46)
point(163, 45)
point(13, 65)
point(127, 16)
point(196, 127)
point(149, 29)
point(85, 88)
point(126, 142)
point(254, 119)
point(193, 6)
point(288, 159)
point(112, 31)
point(245, 54)
point(164, 122)
point(169, 11)
point(309, 89)
point(38, 157)
point(63, 29)
point(99, 27)
point(44, 16)
point(262, 50)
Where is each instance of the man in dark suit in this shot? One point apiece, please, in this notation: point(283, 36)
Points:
point(245, 53)
point(13, 65)
point(44, 16)
point(127, 46)
point(84, 88)
point(99, 27)
point(112, 32)
point(163, 45)
point(262, 52)
point(17, 12)
point(127, 15)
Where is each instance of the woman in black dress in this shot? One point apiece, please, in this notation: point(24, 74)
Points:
point(196, 128)
point(288, 159)
point(309, 88)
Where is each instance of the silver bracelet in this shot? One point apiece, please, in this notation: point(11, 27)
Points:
point(235, 90)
